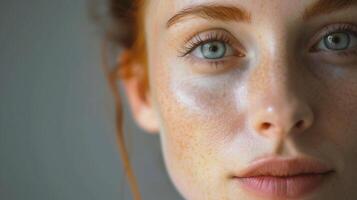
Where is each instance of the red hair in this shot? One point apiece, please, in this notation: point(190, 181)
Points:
point(126, 15)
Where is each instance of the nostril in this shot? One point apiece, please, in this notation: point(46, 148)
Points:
point(300, 124)
point(265, 126)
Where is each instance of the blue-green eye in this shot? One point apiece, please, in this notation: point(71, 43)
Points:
point(338, 41)
point(213, 50)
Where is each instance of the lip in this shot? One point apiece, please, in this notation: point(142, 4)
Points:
point(276, 177)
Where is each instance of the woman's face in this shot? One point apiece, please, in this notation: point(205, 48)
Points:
point(234, 83)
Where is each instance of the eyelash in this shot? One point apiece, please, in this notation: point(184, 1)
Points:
point(198, 40)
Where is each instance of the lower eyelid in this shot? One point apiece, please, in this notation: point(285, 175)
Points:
point(348, 52)
point(215, 67)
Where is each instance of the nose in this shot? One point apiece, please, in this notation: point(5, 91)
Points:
point(277, 120)
point(278, 103)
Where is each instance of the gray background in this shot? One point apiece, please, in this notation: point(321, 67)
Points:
point(57, 138)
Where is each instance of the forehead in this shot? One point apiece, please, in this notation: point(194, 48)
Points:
point(160, 10)
point(249, 5)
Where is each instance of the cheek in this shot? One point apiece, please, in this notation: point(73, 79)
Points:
point(199, 118)
point(336, 105)
point(341, 117)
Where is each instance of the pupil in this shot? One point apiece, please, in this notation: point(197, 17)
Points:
point(213, 48)
point(335, 39)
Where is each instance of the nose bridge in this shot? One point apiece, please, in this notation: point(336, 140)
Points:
point(277, 105)
point(274, 68)
point(273, 80)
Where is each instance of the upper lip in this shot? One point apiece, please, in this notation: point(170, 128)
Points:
point(277, 166)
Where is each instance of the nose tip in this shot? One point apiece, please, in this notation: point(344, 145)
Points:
point(274, 122)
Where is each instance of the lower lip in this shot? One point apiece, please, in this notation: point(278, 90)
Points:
point(283, 187)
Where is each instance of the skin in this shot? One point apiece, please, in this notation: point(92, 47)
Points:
point(210, 117)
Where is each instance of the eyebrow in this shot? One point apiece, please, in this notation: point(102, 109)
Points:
point(211, 12)
point(234, 13)
point(326, 6)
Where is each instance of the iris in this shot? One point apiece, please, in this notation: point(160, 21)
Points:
point(213, 50)
point(337, 41)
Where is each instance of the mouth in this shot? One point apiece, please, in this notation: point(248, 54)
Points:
point(283, 178)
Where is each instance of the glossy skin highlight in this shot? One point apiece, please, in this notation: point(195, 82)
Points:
point(279, 99)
